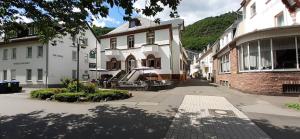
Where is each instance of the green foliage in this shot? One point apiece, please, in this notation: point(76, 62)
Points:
point(72, 87)
point(203, 32)
point(89, 88)
point(65, 81)
point(101, 31)
point(68, 97)
point(295, 106)
point(57, 17)
point(108, 94)
point(46, 93)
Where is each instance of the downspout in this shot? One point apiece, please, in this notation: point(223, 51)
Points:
point(171, 50)
point(47, 63)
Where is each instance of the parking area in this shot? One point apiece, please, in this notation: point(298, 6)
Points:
point(146, 115)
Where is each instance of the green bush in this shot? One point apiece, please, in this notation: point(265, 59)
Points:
point(108, 94)
point(46, 93)
point(65, 81)
point(68, 97)
point(89, 88)
point(72, 87)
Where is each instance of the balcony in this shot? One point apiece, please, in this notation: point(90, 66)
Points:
point(112, 53)
point(150, 48)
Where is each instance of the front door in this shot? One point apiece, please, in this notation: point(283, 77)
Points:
point(130, 63)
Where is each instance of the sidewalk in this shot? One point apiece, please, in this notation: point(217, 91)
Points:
point(212, 117)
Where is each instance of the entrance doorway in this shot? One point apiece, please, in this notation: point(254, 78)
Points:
point(130, 63)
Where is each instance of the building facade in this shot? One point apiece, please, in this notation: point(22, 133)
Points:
point(143, 43)
point(206, 63)
point(263, 56)
point(34, 64)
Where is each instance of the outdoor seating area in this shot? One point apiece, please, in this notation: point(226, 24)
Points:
point(10, 87)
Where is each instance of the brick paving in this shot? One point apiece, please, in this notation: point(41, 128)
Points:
point(211, 117)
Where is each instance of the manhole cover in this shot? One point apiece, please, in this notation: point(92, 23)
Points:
point(221, 113)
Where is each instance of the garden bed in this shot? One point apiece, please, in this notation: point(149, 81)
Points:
point(87, 93)
point(63, 96)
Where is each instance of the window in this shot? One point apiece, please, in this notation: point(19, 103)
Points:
point(113, 43)
point(245, 60)
point(269, 54)
point(279, 20)
point(31, 31)
point(134, 23)
point(5, 52)
point(253, 9)
point(92, 65)
point(13, 74)
point(84, 42)
point(40, 51)
point(28, 74)
point(113, 64)
point(74, 74)
point(14, 53)
point(130, 41)
point(4, 75)
point(225, 63)
point(265, 54)
point(40, 74)
point(93, 53)
point(284, 53)
point(150, 37)
point(253, 55)
point(29, 52)
point(74, 55)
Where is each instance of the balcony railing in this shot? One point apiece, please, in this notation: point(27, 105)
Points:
point(112, 52)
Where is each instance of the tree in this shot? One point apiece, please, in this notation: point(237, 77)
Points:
point(70, 15)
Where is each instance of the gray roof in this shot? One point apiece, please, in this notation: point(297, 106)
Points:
point(145, 23)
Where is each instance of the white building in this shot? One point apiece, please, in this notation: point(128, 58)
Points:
point(194, 68)
point(25, 59)
point(206, 63)
point(144, 43)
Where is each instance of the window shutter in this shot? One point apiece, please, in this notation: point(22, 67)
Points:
point(108, 66)
point(158, 63)
point(118, 65)
point(144, 62)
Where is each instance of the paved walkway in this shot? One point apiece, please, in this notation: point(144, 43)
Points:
point(148, 115)
point(210, 117)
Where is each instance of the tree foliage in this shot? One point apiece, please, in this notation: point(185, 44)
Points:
point(70, 15)
point(203, 32)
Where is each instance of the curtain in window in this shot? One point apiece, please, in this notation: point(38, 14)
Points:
point(265, 53)
point(253, 55)
point(284, 53)
point(245, 57)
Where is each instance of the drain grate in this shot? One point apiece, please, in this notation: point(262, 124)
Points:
point(221, 113)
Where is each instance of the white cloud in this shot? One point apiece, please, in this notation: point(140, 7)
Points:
point(194, 10)
point(21, 18)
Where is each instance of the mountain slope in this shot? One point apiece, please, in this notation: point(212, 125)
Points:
point(206, 31)
point(101, 31)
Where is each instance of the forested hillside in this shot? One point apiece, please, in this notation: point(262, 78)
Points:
point(101, 31)
point(206, 31)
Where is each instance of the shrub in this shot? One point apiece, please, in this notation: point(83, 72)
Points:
point(65, 81)
point(72, 87)
point(108, 94)
point(46, 93)
point(89, 88)
point(295, 106)
point(42, 94)
point(68, 97)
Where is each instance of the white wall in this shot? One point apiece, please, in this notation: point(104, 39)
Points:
point(21, 63)
point(265, 15)
point(61, 63)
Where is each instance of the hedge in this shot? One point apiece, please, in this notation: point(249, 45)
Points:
point(46, 93)
point(108, 94)
point(68, 97)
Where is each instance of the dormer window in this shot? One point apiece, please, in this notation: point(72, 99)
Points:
point(134, 22)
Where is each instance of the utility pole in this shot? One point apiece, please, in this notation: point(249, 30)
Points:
point(78, 49)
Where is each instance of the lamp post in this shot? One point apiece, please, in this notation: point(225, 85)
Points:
point(78, 50)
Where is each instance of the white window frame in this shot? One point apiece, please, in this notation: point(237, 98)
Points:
point(14, 53)
point(5, 77)
point(74, 55)
point(38, 74)
point(27, 52)
point(5, 54)
point(272, 58)
point(13, 74)
point(225, 59)
point(27, 71)
point(39, 55)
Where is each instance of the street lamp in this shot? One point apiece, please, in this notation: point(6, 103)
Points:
point(79, 44)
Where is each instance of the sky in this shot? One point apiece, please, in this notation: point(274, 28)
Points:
point(189, 10)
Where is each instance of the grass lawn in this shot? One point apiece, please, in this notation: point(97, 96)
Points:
point(295, 106)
